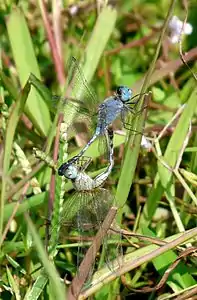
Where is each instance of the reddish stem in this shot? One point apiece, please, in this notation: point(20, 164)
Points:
point(55, 54)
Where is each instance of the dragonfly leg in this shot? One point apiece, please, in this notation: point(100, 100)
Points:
point(141, 110)
point(137, 100)
point(134, 112)
point(129, 127)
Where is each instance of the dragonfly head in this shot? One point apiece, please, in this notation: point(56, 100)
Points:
point(124, 93)
point(68, 170)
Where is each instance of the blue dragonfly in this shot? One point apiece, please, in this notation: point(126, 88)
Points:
point(87, 208)
point(121, 104)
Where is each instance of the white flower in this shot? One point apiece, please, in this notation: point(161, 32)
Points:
point(146, 143)
point(73, 10)
point(177, 28)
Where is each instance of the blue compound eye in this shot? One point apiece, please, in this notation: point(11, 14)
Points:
point(124, 93)
point(71, 172)
point(68, 170)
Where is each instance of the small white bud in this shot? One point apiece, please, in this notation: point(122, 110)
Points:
point(145, 143)
point(177, 27)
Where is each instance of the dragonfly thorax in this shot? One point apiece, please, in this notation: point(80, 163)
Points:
point(108, 112)
point(83, 182)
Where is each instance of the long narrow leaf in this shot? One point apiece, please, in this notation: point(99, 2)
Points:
point(26, 63)
point(130, 160)
point(11, 127)
point(57, 288)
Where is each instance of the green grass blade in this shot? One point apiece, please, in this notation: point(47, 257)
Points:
point(180, 276)
point(14, 285)
point(26, 63)
point(164, 176)
point(8, 85)
point(135, 259)
point(10, 132)
point(15, 264)
point(100, 36)
point(57, 288)
point(130, 160)
point(30, 203)
point(37, 288)
point(42, 89)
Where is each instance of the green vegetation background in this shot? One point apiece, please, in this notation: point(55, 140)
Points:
point(126, 43)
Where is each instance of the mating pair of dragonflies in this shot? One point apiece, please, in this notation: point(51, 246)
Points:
point(89, 205)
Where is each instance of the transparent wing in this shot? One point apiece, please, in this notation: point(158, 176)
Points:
point(79, 101)
point(85, 226)
point(85, 212)
point(101, 202)
point(113, 251)
point(94, 206)
point(91, 216)
point(103, 146)
point(81, 90)
point(78, 92)
point(82, 162)
point(87, 208)
point(60, 231)
point(69, 212)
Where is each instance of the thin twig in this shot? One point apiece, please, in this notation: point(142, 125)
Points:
point(54, 50)
point(56, 9)
point(188, 294)
point(184, 145)
point(130, 264)
point(136, 43)
point(155, 241)
point(185, 4)
point(164, 278)
point(178, 113)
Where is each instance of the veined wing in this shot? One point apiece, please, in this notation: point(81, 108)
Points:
point(106, 143)
point(94, 208)
point(87, 208)
point(78, 92)
point(111, 244)
point(78, 105)
point(81, 90)
point(85, 212)
point(83, 162)
point(80, 215)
